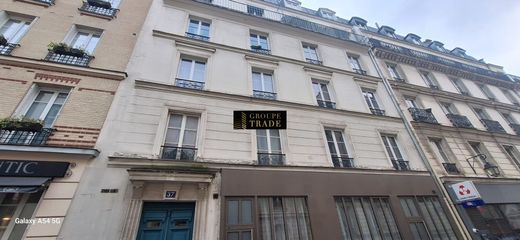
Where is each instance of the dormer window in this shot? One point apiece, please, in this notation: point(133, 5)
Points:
point(388, 31)
point(295, 4)
point(327, 13)
point(459, 52)
point(413, 38)
point(360, 22)
point(437, 46)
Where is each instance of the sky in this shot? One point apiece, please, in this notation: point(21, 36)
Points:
point(488, 29)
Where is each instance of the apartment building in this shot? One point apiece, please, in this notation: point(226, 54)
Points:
point(171, 166)
point(61, 63)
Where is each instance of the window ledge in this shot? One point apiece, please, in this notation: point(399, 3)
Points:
point(91, 153)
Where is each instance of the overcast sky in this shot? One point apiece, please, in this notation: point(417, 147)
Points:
point(488, 29)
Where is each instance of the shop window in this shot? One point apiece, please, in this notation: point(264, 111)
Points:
point(496, 221)
point(239, 219)
point(13, 206)
point(284, 218)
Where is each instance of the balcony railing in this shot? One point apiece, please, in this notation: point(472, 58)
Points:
point(178, 153)
point(264, 95)
point(107, 12)
point(32, 138)
point(326, 104)
point(343, 162)
point(360, 71)
point(451, 168)
point(515, 127)
point(8, 48)
point(287, 20)
point(260, 50)
point(459, 121)
point(493, 126)
point(314, 61)
point(434, 87)
point(185, 83)
point(276, 159)
point(47, 2)
point(68, 59)
point(379, 112)
point(197, 37)
point(399, 79)
point(423, 115)
point(401, 165)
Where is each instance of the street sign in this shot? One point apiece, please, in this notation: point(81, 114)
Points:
point(465, 191)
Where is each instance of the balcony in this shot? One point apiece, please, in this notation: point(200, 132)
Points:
point(271, 159)
point(360, 71)
point(401, 165)
point(515, 127)
point(434, 87)
point(399, 79)
point(30, 138)
point(423, 115)
point(326, 104)
point(197, 37)
point(493, 126)
point(314, 61)
point(459, 121)
point(379, 112)
point(259, 49)
point(68, 59)
point(185, 83)
point(99, 11)
point(178, 153)
point(264, 95)
point(287, 20)
point(342, 162)
point(8, 48)
point(451, 168)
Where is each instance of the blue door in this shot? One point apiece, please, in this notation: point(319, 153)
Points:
point(166, 221)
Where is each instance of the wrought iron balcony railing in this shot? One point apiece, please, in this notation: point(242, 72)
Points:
point(48, 2)
point(68, 59)
point(185, 83)
point(360, 71)
point(178, 153)
point(434, 87)
point(342, 161)
point(287, 20)
point(515, 127)
point(422, 115)
point(260, 50)
point(401, 165)
point(264, 95)
point(276, 159)
point(399, 79)
point(32, 138)
point(379, 112)
point(314, 61)
point(8, 48)
point(451, 168)
point(459, 121)
point(197, 37)
point(493, 126)
point(107, 12)
point(326, 104)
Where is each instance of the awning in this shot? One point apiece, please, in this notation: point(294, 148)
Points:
point(499, 193)
point(22, 184)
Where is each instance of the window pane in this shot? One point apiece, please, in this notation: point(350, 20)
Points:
point(189, 139)
point(325, 92)
point(192, 122)
point(80, 40)
point(204, 30)
point(257, 82)
point(291, 223)
point(246, 235)
point(172, 137)
point(233, 236)
point(193, 27)
point(261, 140)
point(317, 91)
point(302, 213)
point(198, 73)
point(175, 121)
point(265, 218)
point(92, 44)
point(51, 115)
point(268, 83)
point(185, 69)
point(279, 226)
point(246, 210)
point(232, 210)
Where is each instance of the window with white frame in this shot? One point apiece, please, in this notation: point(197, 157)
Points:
point(311, 54)
point(180, 142)
point(191, 73)
point(429, 79)
point(509, 119)
point(487, 92)
point(394, 153)
point(259, 41)
point(197, 27)
point(460, 86)
point(370, 99)
point(269, 147)
point(263, 84)
point(338, 148)
point(440, 150)
point(13, 28)
point(46, 105)
point(394, 72)
point(86, 39)
point(355, 64)
point(322, 94)
point(448, 108)
point(510, 97)
point(411, 102)
point(512, 153)
point(481, 113)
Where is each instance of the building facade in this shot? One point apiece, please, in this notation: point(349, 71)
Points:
point(54, 98)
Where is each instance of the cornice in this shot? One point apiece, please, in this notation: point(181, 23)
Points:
point(500, 137)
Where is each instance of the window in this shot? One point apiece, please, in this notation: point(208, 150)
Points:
point(370, 98)
point(394, 72)
point(323, 97)
point(487, 92)
point(356, 66)
point(510, 97)
point(509, 119)
point(394, 153)
point(512, 153)
point(284, 218)
point(366, 218)
point(478, 149)
point(107, 8)
point(411, 102)
point(191, 74)
point(47, 105)
point(429, 80)
point(239, 218)
point(181, 137)
point(338, 148)
point(16, 206)
point(198, 29)
point(448, 108)
point(311, 55)
point(442, 155)
point(87, 40)
point(427, 218)
point(258, 41)
point(255, 10)
point(15, 28)
point(459, 85)
point(481, 114)
point(263, 86)
point(499, 221)
point(269, 147)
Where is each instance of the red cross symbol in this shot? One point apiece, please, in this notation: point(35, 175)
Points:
point(463, 190)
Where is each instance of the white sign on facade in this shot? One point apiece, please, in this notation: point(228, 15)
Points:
point(465, 191)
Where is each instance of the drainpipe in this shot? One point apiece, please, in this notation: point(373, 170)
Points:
point(409, 129)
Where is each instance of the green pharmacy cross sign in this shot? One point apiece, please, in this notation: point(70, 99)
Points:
point(260, 119)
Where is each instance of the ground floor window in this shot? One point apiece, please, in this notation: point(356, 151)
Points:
point(16, 206)
point(496, 221)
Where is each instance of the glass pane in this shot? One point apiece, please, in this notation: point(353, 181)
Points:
point(352, 219)
point(262, 143)
point(253, 39)
point(172, 137)
point(395, 147)
point(51, 115)
point(325, 92)
point(265, 219)
point(367, 207)
point(263, 42)
point(380, 217)
point(362, 220)
point(185, 69)
point(304, 224)
point(317, 91)
point(390, 218)
point(189, 139)
point(247, 212)
point(246, 235)
point(291, 223)
point(204, 30)
point(6, 215)
point(192, 122)
point(193, 27)
point(175, 121)
point(232, 212)
point(10, 29)
point(36, 110)
point(279, 224)
point(257, 82)
point(427, 218)
point(233, 236)
point(342, 218)
point(20, 33)
point(198, 73)
point(80, 40)
point(268, 83)
point(92, 44)
point(61, 98)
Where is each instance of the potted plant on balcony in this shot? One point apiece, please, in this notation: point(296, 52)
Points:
point(64, 49)
point(100, 3)
point(3, 40)
point(21, 124)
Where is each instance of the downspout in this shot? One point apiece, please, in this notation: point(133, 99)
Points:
point(409, 129)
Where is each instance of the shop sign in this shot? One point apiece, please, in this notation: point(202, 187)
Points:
point(260, 119)
point(14, 168)
point(465, 191)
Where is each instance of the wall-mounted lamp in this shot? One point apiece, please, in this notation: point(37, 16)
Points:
point(489, 168)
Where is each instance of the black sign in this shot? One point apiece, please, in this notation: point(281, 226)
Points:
point(170, 195)
point(260, 120)
point(13, 168)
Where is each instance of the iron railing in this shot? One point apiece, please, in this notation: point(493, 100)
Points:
point(399, 79)
point(434, 87)
point(459, 121)
point(68, 59)
point(515, 127)
point(422, 115)
point(178, 153)
point(379, 112)
point(493, 126)
point(48, 2)
point(33, 138)
point(108, 12)
point(185, 83)
point(287, 20)
point(264, 95)
point(276, 159)
point(326, 104)
point(8, 48)
point(401, 165)
point(342, 161)
point(197, 37)
point(451, 168)
point(260, 50)
point(360, 71)
point(314, 61)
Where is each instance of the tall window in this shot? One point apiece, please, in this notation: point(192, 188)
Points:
point(394, 153)
point(512, 153)
point(181, 137)
point(509, 119)
point(284, 218)
point(448, 108)
point(366, 218)
point(311, 55)
point(191, 74)
point(239, 218)
point(487, 92)
point(427, 218)
point(47, 105)
point(481, 114)
point(459, 85)
point(14, 29)
point(429, 79)
point(269, 147)
point(198, 29)
point(394, 72)
point(510, 97)
point(440, 151)
point(323, 97)
point(411, 102)
point(338, 148)
point(87, 40)
point(500, 220)
point(263, 85)
point(356, 66)
point(370, 99)
point(258, 41)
